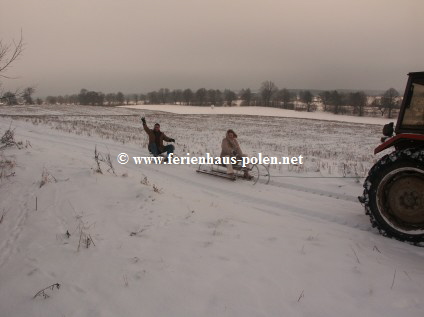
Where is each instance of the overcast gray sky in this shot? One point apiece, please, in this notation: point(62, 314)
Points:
point(142, 45)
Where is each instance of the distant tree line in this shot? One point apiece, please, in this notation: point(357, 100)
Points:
point(199, 97)
point(88, 98)
point(24, 96)
point(268, 95)
point(358, 103)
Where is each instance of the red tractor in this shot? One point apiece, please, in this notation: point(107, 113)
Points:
point(394, 189)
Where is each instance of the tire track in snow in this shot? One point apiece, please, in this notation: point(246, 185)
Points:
point(8, 247)
point(318, 192)
point(259, 203)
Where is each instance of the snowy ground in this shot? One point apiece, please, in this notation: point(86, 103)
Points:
point(261, 111)
point(171, 242)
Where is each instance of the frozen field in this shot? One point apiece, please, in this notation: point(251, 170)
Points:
point(158, 240)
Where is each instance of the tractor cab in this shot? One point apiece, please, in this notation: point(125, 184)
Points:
point(411, 116)
point(410, 124)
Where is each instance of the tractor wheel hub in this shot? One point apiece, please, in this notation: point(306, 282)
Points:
point(405, 199)
point(409, 200)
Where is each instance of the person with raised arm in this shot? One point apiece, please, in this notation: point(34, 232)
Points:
point(156, 138)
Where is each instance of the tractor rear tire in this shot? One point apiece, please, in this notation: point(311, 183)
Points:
point(394, 195)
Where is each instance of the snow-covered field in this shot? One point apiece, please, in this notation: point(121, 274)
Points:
point(261, 111)
point(166, 241)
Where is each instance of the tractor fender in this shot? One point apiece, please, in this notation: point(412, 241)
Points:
point(398, 138)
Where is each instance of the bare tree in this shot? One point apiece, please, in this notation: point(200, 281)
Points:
point(218, 97)
point(390, 100)
point(306, 97)
point(93, 98)
point(212, 96)
point(325, 97)
point(336, 100)
point(176, 96)
point(246, 96)
point(285, 96)
point(110, 98)
point(10, 98)
point(135, 98)
point(359, 101)
point(27, 95)
point(120, 98)
point(268, 88)
point(164, 95)
point(51, 100)
point(188, 96)
point(127, 99)
point(201, 95)
point(61, 100)
point(8, 54)
point(143, 98)
point(229, 96)
point(153, 97)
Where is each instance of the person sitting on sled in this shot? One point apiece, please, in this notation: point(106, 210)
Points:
point(156, 138)
point(231, 148)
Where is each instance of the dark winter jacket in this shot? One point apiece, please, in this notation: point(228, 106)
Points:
point(158, 139)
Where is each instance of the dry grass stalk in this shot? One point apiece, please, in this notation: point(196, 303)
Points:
point(42, 293)
point(46, 177)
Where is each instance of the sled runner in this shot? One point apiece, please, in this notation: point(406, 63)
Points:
point(220, 170)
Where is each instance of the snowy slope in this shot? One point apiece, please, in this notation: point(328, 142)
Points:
point(200, 246)
point(261, 111)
